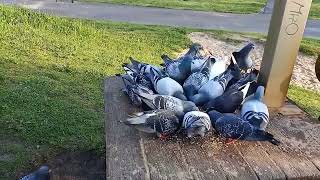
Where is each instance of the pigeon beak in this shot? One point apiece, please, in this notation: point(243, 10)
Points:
point(190, 133)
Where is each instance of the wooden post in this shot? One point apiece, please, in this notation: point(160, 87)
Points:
point(286, 30)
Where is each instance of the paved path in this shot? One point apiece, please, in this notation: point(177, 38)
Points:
point(159, 16)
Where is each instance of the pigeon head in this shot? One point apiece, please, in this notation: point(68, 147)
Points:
point(196, 131)
point(195, 49)
point(214, 116)
point(246, 49)
point(196, 123)
point(259, 93)
point(44, 171)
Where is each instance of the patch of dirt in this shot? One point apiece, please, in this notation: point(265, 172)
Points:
point(304, 70)
point(78, 165)
point(83, 165)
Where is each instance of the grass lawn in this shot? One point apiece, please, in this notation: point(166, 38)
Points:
point(233, 6)
point(51, 72)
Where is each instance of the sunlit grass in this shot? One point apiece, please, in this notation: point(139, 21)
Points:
point(232, 6)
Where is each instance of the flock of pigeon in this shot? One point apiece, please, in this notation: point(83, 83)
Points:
point(195, 93)
point(172, 96)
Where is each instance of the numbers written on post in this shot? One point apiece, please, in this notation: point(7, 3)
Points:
point(293, 27)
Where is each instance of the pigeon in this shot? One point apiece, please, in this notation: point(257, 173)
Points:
point(130, 86)
point(197, 64)
point(215, 87)
point(180, 69)
point(242, 57)
point(255, 111)
point(229, 101)
point(193, 53)
point(196, 80)
point(43, 173)
point(245, 78)
point(143, 67)
point(138, 77)
point(234, 127)
point(160, 122)
point(167, 102)
point(177, 70)
point(219, 66)
point(196, 123)
point(166, 86)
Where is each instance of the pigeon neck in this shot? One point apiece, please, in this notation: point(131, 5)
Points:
point(259, 93)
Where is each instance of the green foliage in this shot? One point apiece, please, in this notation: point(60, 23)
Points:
point(51, 77)
point(315, 9)
point(308, 100)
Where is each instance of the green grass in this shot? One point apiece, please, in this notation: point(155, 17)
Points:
point(51, 75)
point(232, 6)
point(308, 100)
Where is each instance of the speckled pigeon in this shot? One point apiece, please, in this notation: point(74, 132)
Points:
point(196, 123)
point(234, 127)
point(130, 86)
point(255, 111)
point(166, 86)
point(196, 80)
point(242, 57)
point(138, 77)
point(167, 102)
point(43, 173)
point(160, 122)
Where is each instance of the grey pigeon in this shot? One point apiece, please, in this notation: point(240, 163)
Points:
point(242, 57)
point(219, 66)
point(245, 78)
point(130, 86)
point(166, 86)
point(255, 111)
point(180, 69)
point(215, 87)
point(177, 70)
point(234, 127)
point(43, 173)
point(143, 67)
point(176, 105)
point(159, 122)
point(196, 123)
point(193, 53)
point(196, 80)
point(197, 64)
point(229, 101)
point(137, 77)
